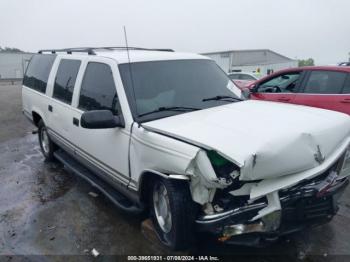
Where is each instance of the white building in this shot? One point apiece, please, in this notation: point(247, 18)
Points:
point(263, 60)
point(13, 65)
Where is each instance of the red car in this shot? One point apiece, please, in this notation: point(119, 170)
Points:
point(325, 87)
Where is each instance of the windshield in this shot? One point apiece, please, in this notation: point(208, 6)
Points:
point(175, 83)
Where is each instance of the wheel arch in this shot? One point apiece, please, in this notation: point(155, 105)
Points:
point(37, 116)
point(146, 178)
point(183, 210)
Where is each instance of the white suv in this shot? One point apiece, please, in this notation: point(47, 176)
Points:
point(169, 133)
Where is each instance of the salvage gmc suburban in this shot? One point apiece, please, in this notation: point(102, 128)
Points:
point(169, 133)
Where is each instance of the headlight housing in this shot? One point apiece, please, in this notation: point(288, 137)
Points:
point(222, 167)
point(345, 170)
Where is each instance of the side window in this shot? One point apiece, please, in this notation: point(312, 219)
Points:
point(234, 76)
point(346, 89)
point(325, 82)
point(98, 90)
point(247, 77)
point(285, 83)
point(65, 80)
point(38, 72)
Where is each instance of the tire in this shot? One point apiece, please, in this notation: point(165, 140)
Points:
point(46, 145)
point(179, 234)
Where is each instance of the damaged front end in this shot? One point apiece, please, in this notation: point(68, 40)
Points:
point(231, 213)
point(257, 177)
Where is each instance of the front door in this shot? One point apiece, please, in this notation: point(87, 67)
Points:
point(106, 149)
point(280, 88)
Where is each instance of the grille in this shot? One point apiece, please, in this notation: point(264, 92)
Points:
point(308, 209)
point(318, 179)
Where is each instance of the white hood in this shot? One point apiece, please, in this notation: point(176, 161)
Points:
point(267, 140)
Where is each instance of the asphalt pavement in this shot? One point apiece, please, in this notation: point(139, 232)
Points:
point(45, 210)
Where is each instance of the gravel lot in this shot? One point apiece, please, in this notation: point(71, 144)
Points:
point(44, 210)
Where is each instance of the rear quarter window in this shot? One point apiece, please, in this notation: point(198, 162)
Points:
point(38, 72)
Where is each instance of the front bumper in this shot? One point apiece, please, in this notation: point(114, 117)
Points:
point(302, 206)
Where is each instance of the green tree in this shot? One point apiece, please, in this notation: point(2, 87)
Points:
point(306, 62)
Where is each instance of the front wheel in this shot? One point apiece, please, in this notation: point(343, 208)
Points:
point(173, 213)
point(46, 145)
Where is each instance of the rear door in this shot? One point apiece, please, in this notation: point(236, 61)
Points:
point(279, 88)
point(60, 106)
point(326, 89)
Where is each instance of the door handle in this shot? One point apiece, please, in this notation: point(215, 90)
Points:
point(283, 99)
point(346, 100)
point(50, 108)
point(75, 121)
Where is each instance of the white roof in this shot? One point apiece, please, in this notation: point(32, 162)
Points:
point(121, 56)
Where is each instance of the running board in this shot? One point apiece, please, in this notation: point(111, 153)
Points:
point(110, 192)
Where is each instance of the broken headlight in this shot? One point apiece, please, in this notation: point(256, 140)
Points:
point(228, 171)
point(223, 168)
point(345, 170)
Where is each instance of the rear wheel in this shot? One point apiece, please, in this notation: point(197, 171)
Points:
point(46, 145)
point(173, 213)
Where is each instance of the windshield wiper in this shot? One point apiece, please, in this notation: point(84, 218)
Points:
point(221, 98)
point(170, 108)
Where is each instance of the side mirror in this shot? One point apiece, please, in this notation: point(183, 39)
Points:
point(246, 92)
point(99, 119)
point(253, 88)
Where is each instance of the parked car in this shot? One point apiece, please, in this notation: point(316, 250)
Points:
point(243, 79)
point(168, 133)
point(344, 64)
point(325, 87)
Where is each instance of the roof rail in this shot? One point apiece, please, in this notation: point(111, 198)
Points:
point(135, 48)
point(91, 50)
point(88, 50)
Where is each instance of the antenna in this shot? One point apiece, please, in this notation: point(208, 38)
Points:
point(130, 69)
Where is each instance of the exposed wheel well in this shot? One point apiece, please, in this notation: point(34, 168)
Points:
point(146, 186)
point(36, 118)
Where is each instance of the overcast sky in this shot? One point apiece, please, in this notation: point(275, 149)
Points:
point(295, 28)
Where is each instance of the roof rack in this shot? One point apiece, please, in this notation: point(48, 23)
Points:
point(88, 50)
point(91, 50)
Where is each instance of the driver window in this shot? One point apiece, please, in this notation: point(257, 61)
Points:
point(285, 83)
point(98, 91)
